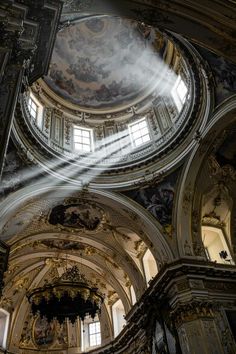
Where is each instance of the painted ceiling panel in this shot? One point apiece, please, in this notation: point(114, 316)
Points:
point(105, 61)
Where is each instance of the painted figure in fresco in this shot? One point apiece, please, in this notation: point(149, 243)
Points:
point(160, 204)
point(44, 332)
point(157, 199)
point(62, 244)
point(62, 335)
point(107, 71)
point(155, 206)
point(74, 215)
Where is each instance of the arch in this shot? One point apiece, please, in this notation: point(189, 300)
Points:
point(104, 249)
point(153, 233)
point(215, 245)
point(188, 19)
point(86, 263)
point(188, 208)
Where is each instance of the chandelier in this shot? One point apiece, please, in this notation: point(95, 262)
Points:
point(67, 297)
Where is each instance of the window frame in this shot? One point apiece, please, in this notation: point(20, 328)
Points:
point(39, 112)
point(178, 100)
point(118, 317)
point(30, 104)
point(91, 141)
point(221, 239)
point(131, 133)
point(97, 341)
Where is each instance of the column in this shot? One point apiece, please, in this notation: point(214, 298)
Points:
point(197, 329)
point(11, 73)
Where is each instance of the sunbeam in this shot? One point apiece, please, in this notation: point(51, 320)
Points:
point(81, 168)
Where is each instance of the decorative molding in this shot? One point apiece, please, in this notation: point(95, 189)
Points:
point(192, 311)
point(147, 157)
point(4, 253)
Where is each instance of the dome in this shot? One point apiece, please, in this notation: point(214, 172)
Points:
point(118, 168)
point(105, 62)
point(120, 98)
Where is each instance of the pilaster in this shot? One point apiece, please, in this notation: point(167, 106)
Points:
point(27, 33)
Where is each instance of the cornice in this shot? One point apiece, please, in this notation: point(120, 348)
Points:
point(187, 276)
point(130, 169)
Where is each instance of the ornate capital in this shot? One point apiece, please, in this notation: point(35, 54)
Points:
point(192, 311)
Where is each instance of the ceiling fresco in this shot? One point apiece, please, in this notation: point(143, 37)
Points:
point(102, 62)
point(77, 216)
point(105, 239)
point(101, 245)
point(157, 198)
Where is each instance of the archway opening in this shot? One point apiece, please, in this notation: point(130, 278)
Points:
point(215, 245)
point(118, 313)
point(150, 266)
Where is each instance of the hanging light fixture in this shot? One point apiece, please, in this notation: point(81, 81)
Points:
point(67, 297)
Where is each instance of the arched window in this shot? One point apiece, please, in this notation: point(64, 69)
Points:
point(149, 265)
point(132, 294)
point(215, 245)
point(118, 313)
point(4, 324)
